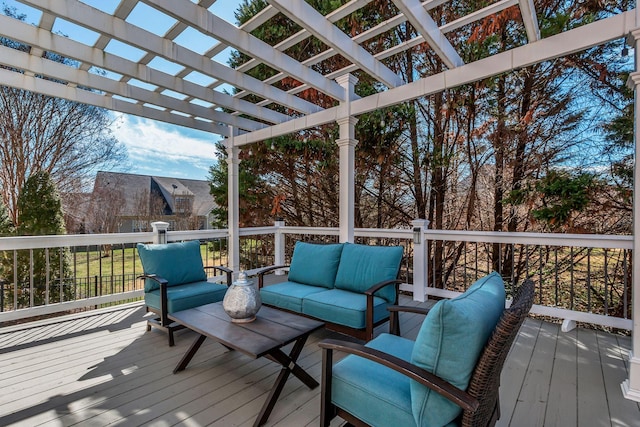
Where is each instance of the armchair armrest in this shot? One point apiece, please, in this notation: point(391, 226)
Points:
point(164, 312)
point(261, 273)
point(375, 288)
point(223, 269)
point(161, 281)
point(369, 293)
point(394, 321)
point(426, 378)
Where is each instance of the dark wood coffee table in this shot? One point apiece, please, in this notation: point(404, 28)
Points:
point(264, 337)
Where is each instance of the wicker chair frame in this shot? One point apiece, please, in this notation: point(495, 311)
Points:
point(480, 402)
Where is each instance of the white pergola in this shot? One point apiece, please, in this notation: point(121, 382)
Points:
point(138, 86)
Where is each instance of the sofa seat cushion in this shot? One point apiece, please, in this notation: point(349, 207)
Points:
point(315, 264)
point(288, 295)
point(362, 266)
point(374, 393)
point(187, 296)
point(343, 307)
point(177, 263)
point(450, 340)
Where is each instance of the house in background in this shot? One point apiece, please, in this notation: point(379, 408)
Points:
point(122, 202)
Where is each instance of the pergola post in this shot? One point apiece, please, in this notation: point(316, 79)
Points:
point(347, 144)
point(631, 386)
point(233, 189)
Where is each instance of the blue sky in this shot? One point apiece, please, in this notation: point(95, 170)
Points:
point(154, 148)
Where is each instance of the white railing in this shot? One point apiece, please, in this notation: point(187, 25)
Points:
point(537, 256)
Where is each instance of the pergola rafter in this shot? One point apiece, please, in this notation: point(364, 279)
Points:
point(304, 15)
point(98, 21)
point(428, 29)
point(209, 24)
point(257, 110)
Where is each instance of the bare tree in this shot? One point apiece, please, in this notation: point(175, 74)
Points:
point(38, 133)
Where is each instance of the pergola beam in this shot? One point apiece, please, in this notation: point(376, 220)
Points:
point(578, 39)
point(385, 26)
point(427, 27)
point(220, 29)
point(69, 48)
point(96, 20)
point(43, 67)
point(50, 88)
point(306, 16)
point(528, 12)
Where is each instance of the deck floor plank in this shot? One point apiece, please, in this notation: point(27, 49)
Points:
point(592, 397)
point(515, 369)
point(532, 401)
point(614, 371)
point(562, 406)
point(104, 369)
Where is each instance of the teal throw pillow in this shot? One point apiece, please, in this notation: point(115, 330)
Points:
point(449, 343)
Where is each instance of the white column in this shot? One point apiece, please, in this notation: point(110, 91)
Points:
point(347, 144)
point(631, 386)
point(420, 263)
point(160, 229)
point(233, 218)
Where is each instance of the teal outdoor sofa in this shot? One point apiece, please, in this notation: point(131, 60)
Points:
point(449, 376)
point(175, 279)
point(348, 286)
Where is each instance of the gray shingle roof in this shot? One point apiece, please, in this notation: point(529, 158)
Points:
point(133, 187)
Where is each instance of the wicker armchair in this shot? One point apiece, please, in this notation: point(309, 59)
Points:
point(480, 402)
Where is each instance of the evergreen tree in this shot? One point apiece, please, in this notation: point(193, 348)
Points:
point(40, 213)
point(6, 226)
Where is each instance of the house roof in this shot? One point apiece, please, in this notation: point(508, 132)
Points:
point(134, 187)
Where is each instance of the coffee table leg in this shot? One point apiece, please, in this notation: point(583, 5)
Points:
point(189, 354)
point(289, 365)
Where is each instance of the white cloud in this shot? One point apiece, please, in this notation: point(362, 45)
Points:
point(164, 150)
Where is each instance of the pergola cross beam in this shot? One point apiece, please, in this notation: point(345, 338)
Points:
point(69, 48)
point(96, 20)
point(220, 29)
point(306, 16)
point(427, 27)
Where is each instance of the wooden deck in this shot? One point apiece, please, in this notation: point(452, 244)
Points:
point(103, 368)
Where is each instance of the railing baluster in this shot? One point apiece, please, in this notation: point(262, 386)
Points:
point(589, 309)
point(606, 283)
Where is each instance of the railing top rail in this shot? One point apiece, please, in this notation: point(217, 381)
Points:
point(542, 239)
point(67, 240)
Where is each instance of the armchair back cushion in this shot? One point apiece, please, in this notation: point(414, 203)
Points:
point(178, 263)
point(315, 264)
point(451, 338)
point(362, 266)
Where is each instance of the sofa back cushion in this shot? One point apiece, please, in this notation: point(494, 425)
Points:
point(449, 343)
point(362, 266)
point(315, 264)
point(177, 263)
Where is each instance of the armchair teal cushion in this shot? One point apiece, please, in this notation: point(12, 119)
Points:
point(315, 264)
point(178, 263)
point(372, 392)
point(186, 296)
point(449, 342)
point(362, 266)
